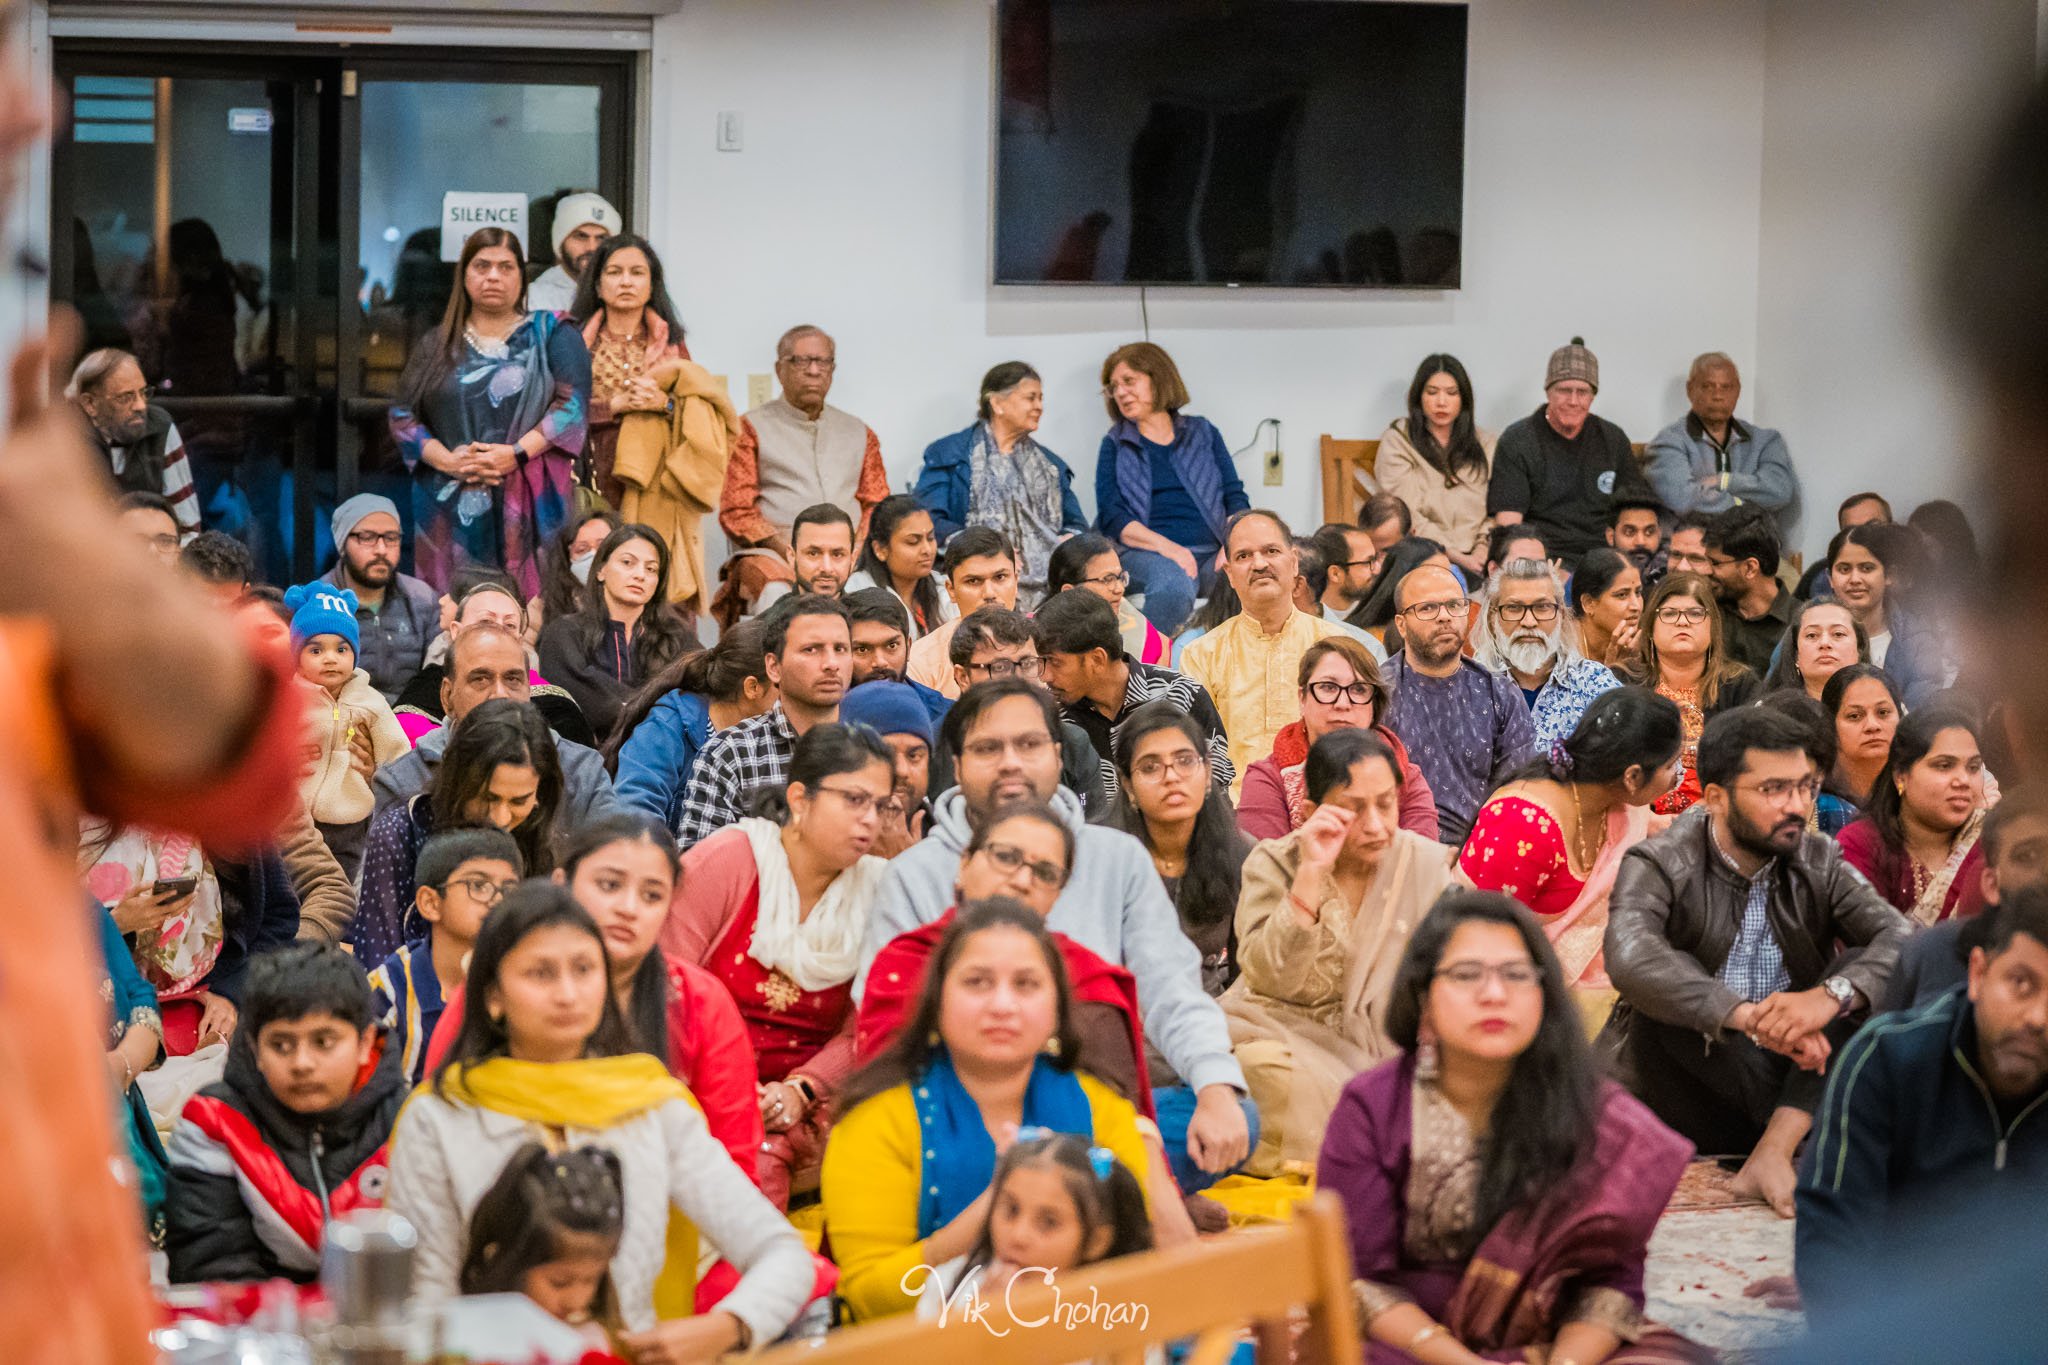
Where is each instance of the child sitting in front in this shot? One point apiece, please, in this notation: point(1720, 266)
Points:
point(341, 701)
point(460, 874)
point(548, 1229)
point(293, 1133)
point(1056, 1204)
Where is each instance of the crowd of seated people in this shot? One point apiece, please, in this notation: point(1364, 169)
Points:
point(990, 854)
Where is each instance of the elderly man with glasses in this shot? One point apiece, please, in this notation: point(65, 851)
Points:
point(398, 615)
point(1526, 633)
point(1465, 725)
point(138, 439)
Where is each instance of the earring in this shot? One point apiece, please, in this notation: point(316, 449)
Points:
point(1052, 1046)
point(931, 1039)
point(1428, 1066)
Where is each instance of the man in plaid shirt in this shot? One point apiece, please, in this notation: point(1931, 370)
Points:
point(810, 659)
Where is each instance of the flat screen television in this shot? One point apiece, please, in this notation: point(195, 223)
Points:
point(1283, 143)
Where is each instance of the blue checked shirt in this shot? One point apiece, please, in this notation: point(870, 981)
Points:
point(1756, 964)
point(732, 766)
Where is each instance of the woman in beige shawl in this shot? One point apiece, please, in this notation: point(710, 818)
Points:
point(1322, 921)
point(671, 467)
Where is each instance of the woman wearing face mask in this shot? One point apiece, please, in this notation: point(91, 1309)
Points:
point(1822, 638)
point(1863, 705)
point(626, 631)
point(1089, 561)
point(1321, 924)
point(500, 768)
point(776, 907)
point(565, 568)
point(1873, 569)
point(1917, 840)
point(1500, 1193)
point(1552, 836)
point(1682, 659)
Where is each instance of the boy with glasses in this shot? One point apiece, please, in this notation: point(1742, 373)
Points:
point(1745, 951)
point(461, 873)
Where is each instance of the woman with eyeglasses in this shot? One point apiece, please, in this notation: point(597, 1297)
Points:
point(1438, 461)
point(775, 907)
point(1552, 836)
point(1917, 840)
point(1607, 598)
point(1500, 1192)
point(1089, 561)
point(1822, 638)
point(1340, 688)
point(1323, 917)
point(1682, 659)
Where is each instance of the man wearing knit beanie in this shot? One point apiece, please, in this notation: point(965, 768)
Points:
point(398, 615)
point(582, 222)
point(896, 713)
point(1561, 469)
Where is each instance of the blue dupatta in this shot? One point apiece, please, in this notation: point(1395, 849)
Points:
point(960, 1153)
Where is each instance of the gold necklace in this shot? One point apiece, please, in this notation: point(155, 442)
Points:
point(1579, 830)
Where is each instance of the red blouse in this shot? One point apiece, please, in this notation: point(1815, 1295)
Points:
point(787, 1024)
point(1517, 847)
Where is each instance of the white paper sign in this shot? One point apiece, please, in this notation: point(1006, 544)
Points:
point(464, 211)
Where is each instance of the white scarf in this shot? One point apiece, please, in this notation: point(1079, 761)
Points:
point(820, 952)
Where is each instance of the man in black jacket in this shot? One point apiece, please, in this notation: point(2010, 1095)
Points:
point(1722, 941)
point(1929, 1111)
point(294, 1132)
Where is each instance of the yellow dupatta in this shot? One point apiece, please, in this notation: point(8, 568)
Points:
point(593, 1093)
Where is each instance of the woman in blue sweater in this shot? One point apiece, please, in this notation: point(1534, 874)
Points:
point(1165, 486)
point(661, 730)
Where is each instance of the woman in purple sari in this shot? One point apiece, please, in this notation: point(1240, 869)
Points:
point(1500, 1193)
point(491, 416)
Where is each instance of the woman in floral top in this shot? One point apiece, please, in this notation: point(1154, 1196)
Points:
point(1684, 659)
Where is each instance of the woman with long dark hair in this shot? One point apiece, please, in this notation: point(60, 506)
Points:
point(1182, 815)
point(565, 568)
point(625, 632)
point(1681, 657)
point(1822, 637)
point(898, 554)
point(1089, 561)
point(544, 1054)
point(777, 910)
point(1553, 835)
point(1438, 461)
point(1375, 611)
point(500, 768)
point(1875, 570)
point(1500, 1193)
point(991, 1046)
point(1917, 840)
point(663, 727)
point(490, 419)
point(1321, 923)
point(1607, 601)
point(1863, 705)
point(630, 325)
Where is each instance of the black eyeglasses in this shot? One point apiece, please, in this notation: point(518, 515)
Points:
point(481, 889)
point(1326, 691)
point(1527, 611)
point(1003, 668)
point(1009, 858)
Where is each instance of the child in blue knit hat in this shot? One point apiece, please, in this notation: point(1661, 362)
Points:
point(340, 701)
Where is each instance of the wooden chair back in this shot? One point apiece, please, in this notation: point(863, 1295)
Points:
point(1347, 477)
point(1258, 1277)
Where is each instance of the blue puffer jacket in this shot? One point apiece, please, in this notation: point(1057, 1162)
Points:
point(947, 480)
point(656, 759)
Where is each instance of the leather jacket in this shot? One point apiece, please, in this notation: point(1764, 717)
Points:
point(1677, 905)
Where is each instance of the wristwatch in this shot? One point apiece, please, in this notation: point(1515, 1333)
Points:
point(1842, 991)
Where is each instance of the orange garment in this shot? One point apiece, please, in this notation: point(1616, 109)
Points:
point(739, 504)
point(73, 1278)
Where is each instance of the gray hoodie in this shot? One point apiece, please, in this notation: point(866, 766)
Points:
point(586, 786)
point(1115, 905)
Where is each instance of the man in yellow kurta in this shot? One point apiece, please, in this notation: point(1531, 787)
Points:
point(1250, 662)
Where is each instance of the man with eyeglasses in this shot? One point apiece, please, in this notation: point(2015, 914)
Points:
point(1099, 685)
point(1525, 633)
point(397, 615)
point(1352, 563)
point(1001, 734)
point(1686, 551)
point(980, 566)
point(796, 450)
point(1561, 469)
point(149, 518)
point(996, 643)
point(1742, 556)
point(1745, 951)
point(1465, 725)
point(138, 439)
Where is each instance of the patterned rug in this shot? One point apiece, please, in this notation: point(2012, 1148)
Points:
point(1710, 1246)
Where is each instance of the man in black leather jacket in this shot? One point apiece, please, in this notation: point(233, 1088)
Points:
point(1725, 942)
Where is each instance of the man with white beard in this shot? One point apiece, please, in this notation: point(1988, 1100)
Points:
point(1527, 634)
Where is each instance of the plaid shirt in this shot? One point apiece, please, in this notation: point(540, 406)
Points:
point(732, 766)
point(1147, 683)
point(1756, 964)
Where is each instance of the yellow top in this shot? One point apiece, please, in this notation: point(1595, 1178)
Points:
point(872, 1169)
point(1251, 676)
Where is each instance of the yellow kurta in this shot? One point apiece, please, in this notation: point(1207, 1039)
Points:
point(1252, 676)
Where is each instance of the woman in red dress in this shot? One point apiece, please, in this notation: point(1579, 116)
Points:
point(775, 907)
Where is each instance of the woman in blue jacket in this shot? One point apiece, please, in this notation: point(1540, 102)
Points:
point(994, 474)
point(1872, 568)
point(1165, 486)
point(661, 730)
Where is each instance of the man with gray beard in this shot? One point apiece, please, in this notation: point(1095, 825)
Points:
point(1526, 633)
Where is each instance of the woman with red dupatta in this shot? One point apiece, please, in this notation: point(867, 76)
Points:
point(1500, 1193)
point(775, 908)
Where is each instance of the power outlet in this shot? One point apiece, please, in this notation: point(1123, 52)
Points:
point(760, 388)
point(1275, 467)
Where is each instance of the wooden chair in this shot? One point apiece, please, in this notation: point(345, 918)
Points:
point(1257, 1276)
point(1347, 477)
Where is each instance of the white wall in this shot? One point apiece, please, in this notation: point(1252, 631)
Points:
point(1613, 165)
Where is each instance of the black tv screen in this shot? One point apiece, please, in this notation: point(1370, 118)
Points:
point(1293, 143)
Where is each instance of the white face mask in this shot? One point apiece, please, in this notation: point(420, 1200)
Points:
point(580, 566)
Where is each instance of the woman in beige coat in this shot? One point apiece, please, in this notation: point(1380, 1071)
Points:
point(1439, 462)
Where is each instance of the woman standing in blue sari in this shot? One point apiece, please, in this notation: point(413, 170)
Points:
point(491, 418)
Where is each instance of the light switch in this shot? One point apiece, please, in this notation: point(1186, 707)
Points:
point(731, 130)
point(760, 388)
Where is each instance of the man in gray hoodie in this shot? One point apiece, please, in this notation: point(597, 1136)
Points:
point(1003, 737)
